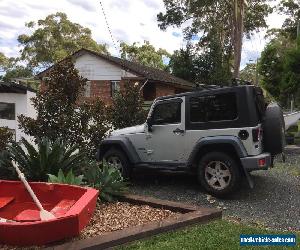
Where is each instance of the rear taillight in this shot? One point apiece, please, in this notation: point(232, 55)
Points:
point(257, 134)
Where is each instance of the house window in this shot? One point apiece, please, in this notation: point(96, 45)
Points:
point(87, 89)
point(220, 107)
point(115, 87)
point(7, 111)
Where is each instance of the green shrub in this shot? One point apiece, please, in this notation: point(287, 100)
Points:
point(127, 108)
point(7, 172)
point(5, 138)
point(69, 178)
point(107, 179)
point(46, 159)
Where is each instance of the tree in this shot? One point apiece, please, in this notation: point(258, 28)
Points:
point(145, 54)
point(54, 38)
point(127, 107)
point(249, 73)
point(209, 66)
point(3, 61)
point(17, 72)
point(182, 63)
point(215, 21)
point(280, 69)
point(60, 113)
point(290, 8)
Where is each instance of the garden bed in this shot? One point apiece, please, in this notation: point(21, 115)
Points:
point(132, 218)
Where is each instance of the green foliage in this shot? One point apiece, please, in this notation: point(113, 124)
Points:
point(280, 69)
point(107, 179)
point(212, 22)
point(5, 138)
point(69, 178)
point(182, 63)
point(47, 158)
point(249, 72)
point(145, 54)
point(60, 115)
point(290, 9)
point(16, 72)
point(7, 172)
point(209, 66)
point(55, 38)
point(127, 107)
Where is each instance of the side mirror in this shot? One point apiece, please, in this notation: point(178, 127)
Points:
point(149, 123)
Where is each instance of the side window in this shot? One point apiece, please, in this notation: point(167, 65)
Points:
point(220, 107)
point(7, 111)
point(167, 113)
point(115, 87)
point(87, 89)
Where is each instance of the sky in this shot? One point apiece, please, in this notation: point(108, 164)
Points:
point(129, 20)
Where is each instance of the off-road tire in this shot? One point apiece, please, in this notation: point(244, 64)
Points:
point(118, 154)
point(233, 168)
point(273, 130)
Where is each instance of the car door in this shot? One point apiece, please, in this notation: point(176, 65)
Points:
point(165, 140)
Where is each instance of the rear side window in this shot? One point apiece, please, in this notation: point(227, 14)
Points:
point(220, 107)
point(167, 113)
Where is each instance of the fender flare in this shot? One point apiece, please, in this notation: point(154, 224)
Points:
point(211, 140)
point(121, 142)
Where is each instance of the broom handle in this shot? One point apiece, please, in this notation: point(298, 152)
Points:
point(29, 189)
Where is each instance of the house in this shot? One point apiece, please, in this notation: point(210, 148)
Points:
point(15, 99)
point(107, 74)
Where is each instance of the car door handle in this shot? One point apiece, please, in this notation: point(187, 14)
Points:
point(178, 131)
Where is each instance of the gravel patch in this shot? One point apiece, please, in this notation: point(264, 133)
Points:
point(274, 202)
point(116, 216)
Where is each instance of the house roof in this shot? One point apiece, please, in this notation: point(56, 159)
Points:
point(10, 87)
point(149, 73)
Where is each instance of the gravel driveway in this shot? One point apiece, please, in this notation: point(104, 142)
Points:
point(274, 202)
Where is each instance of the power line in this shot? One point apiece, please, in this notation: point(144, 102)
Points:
point(109, 30)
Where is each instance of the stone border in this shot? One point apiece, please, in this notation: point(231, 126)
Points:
point(190, 215)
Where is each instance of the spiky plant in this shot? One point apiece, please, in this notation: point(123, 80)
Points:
point(46, 158)
point(107, 179)
point(69, 178)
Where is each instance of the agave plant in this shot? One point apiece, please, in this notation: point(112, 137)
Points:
point(47, 158)
point(107, 179)
point(69, 178)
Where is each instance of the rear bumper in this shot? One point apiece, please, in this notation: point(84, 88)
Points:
point(254, 162)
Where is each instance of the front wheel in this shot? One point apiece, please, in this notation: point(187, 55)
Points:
point(218, 173)
point(117, 159)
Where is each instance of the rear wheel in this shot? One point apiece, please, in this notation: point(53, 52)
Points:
point(117, 159)
point(218, 173)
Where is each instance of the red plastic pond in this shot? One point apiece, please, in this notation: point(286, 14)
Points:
point(72, 206)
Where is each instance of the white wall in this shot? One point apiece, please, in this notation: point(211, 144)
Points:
point(95, 68)
point(23, 105)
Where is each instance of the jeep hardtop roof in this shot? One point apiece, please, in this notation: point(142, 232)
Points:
point(213, 89)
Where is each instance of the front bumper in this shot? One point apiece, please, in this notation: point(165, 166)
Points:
point(255, 162)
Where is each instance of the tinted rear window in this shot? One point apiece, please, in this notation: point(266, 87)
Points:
point(220, 107)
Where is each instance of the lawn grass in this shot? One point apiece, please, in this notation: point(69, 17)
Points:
point(221, 234)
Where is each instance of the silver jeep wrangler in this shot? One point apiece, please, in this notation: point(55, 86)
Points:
point(218, 133)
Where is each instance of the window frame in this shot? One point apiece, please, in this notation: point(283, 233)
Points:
point(177, 100)
point(87, 89)
point(14, 111)
point(114, 82)
point(237, 122)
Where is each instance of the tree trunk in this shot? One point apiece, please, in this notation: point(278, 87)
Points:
point(238, 28)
